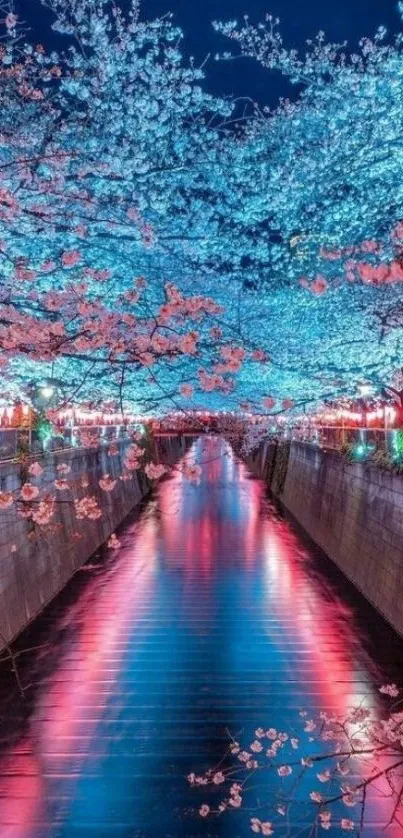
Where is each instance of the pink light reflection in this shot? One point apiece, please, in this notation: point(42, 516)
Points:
point(61, 730)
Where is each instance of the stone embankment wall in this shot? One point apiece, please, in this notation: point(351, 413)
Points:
point(354, 512)
point(36, 565)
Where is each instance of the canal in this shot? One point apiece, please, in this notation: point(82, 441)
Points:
point(214, 615)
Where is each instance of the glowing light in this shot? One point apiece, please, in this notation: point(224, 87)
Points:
point(365, 389)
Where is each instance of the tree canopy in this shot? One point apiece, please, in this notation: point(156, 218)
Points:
point(160, 248)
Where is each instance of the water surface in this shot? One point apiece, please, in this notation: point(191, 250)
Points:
point(214, 615)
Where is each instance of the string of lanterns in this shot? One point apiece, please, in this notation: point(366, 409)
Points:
point(377, 415)
point(20, 415)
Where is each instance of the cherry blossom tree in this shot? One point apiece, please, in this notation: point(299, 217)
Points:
point(154, 248)
point(321, 774)
point(104, 177)
point(324, 179)
point(124, 183)
point(99, 170)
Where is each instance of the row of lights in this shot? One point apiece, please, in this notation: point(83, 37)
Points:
point(74, 416)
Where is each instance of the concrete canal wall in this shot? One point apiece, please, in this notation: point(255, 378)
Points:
point(352, 511)
point(35, 566)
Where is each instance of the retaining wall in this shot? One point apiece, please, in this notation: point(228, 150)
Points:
point(352, 511)
point(35, 564)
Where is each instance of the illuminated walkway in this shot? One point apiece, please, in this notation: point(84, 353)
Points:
point(212, 615)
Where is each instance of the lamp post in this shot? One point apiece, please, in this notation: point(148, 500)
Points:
point(43, 397)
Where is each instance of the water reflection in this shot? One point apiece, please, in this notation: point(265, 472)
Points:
point(214, 614)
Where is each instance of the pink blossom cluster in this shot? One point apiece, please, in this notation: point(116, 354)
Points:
point(44, 512)
point(370, 273)
point(179, 306)
point(133, 457)
point(87, 507)
point(6, 500)
point(355, 736)
point(61, 485)
point(318, 286)
point(261, 827)
point(35, 469)
point(212, 381)
point(89, 439)
point(367, 246)
point(155, 470)
point(107, 483)
point(63, 468)
point(29, 492)
point(233, 358)
point(382, 274)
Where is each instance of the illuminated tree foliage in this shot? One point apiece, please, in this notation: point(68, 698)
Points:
point(99, 182)
point(324, 183)
point(151, 240)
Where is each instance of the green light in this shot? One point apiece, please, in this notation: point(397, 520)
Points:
point(44, 430)
point(398, 444)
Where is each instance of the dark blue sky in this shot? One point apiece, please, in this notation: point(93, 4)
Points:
point(340, 19)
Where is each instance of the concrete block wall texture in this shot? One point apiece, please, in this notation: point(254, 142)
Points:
point(34, 567)
point(353, 512)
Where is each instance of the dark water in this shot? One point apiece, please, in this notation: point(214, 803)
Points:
point(213, 615)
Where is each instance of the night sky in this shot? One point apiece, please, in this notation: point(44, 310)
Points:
point(344, 20)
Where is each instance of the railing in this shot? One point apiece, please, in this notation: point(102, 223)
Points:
point(337, 437)
point(13, 441)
